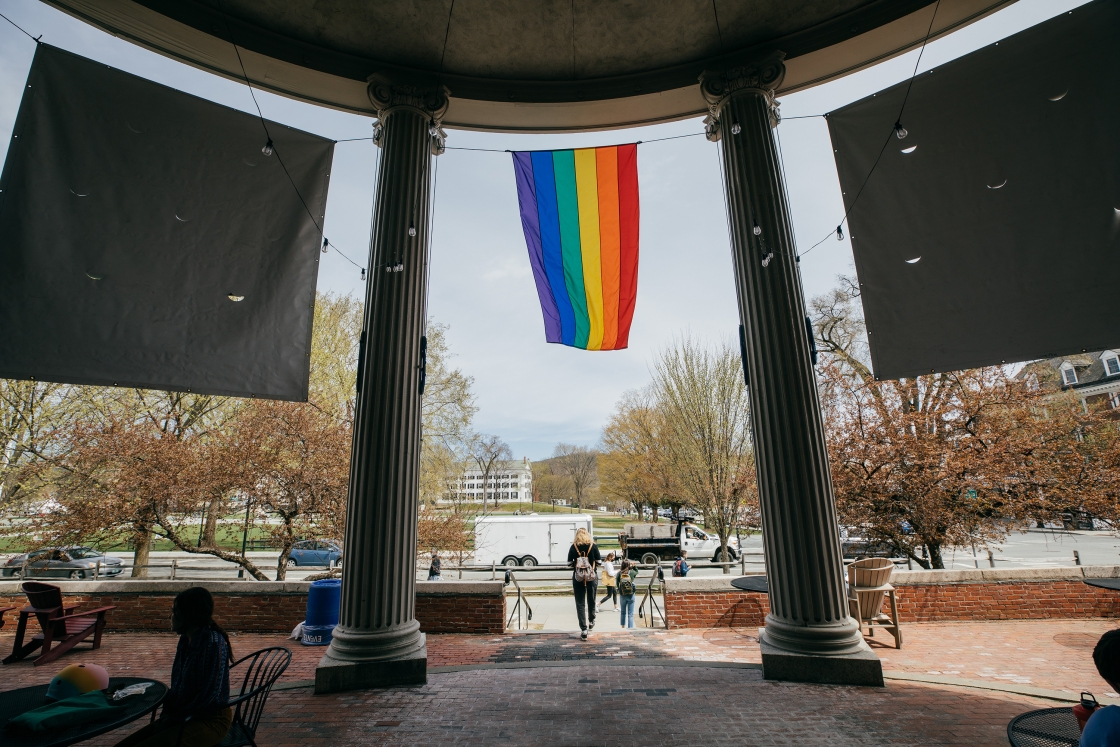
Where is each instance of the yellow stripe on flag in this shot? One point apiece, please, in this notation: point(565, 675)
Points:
point(587, 191)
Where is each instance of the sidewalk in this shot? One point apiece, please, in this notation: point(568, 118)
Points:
point(686, 687)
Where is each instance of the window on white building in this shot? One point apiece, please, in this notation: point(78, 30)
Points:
point(1069, 375)
point(1111, 364)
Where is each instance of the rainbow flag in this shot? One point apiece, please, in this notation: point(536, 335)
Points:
point(579, 209)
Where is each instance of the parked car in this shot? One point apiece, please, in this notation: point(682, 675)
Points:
point(62, 562)
point(314, 552)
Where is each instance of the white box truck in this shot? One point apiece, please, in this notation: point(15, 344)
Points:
point(530, 540)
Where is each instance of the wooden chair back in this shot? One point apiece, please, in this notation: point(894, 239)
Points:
point(42, 596)
point(869, 573)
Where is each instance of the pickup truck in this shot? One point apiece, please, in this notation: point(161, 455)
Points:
point(652, 543)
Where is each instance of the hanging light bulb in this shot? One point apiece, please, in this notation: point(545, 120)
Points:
point(433, 129)
point(757, 230)
point(325, 242)
point(840, 233)
point(900, 131)
point(399, 267)
point(736, 128)
point(412, 230)
point(363, 273)
point(267, 149)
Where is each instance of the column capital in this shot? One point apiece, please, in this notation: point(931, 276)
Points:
point(760, 78)
point(430, 101)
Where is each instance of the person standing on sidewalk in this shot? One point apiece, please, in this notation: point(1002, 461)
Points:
point(434, 569)
point(583, 557)
point(627, 588)
point(607, 577)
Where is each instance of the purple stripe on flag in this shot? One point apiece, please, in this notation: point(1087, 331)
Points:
point(527, 198)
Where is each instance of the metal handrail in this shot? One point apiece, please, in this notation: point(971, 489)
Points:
point(653, 607)
point(521, 598)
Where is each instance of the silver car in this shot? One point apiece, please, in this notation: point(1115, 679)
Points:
point(62, 562)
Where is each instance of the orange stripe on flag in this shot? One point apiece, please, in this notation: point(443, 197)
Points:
point(609, 237)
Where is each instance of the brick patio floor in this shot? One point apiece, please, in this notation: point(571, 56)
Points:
point(574, 698)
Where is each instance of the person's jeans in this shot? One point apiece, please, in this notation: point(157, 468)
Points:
point(627, 618)
point(585, 601)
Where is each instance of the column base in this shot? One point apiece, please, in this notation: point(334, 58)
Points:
point(861, 667)
point(335, 676)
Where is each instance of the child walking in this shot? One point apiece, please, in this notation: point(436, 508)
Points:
point(627, 587)
point(607, 577)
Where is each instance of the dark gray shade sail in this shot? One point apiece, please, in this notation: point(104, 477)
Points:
point(991, 233)
point(145, 239)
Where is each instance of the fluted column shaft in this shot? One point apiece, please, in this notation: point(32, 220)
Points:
point(808, 606)
point(377, 620)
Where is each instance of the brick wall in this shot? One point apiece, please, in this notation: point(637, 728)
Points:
point(259, 607)
point(923, 596)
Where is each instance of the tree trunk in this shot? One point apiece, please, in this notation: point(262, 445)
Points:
point(211, 522)
point(142, 549)
point(936, 561)
point(282, 562)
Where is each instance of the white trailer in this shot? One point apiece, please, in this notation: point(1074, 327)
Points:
point(526, 540)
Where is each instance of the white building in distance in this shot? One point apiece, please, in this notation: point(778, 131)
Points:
point(509, 482)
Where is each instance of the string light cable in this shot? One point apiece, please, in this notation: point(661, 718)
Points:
point(270, 147)
point(897, 131)
point(22, 30)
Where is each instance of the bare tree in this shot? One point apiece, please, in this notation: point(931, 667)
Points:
point(580, 465)
point(703, 401)
point(488, 451)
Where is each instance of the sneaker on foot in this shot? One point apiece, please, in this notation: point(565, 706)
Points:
point(591, 625)
point(583, 635)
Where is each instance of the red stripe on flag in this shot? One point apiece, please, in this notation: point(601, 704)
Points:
point(628, 219)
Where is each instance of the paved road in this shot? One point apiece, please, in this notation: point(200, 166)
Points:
point(1037, 548)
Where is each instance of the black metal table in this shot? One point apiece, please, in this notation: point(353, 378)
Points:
point(1049, 727)
point(1104, 583)
point(751, 583)
point(15, 702)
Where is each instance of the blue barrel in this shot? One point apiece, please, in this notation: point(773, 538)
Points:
point(322, 612)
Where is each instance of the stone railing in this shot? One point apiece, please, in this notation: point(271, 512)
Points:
point(266, 606)
point(923, 596)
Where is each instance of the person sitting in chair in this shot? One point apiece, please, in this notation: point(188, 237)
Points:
point(1103, 727)
point(196, 703)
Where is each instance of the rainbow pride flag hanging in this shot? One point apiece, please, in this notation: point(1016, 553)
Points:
point(579, 209)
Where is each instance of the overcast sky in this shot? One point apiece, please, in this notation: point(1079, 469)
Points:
point(530, 393)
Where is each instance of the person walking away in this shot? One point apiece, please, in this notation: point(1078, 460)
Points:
point(583, 557)
point(627, 588)
point(607, 578)
point(1103, 727)
point(680, 567)
point(434, 568)
point(199, 680)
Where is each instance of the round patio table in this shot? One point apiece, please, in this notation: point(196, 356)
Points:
point(1104, 583)
point(1049, 727)
point(751, 583)
point(15, 702)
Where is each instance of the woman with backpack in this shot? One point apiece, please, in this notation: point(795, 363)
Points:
point(583, 557)
point(627, 588)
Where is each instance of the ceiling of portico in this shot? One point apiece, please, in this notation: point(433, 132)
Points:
point(530, 65)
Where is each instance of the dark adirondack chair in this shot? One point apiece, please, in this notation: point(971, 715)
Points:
point(62, 628)
point(257, 673)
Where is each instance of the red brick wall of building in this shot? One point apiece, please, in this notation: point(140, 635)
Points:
point(271, 613)
point(1026, 600)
